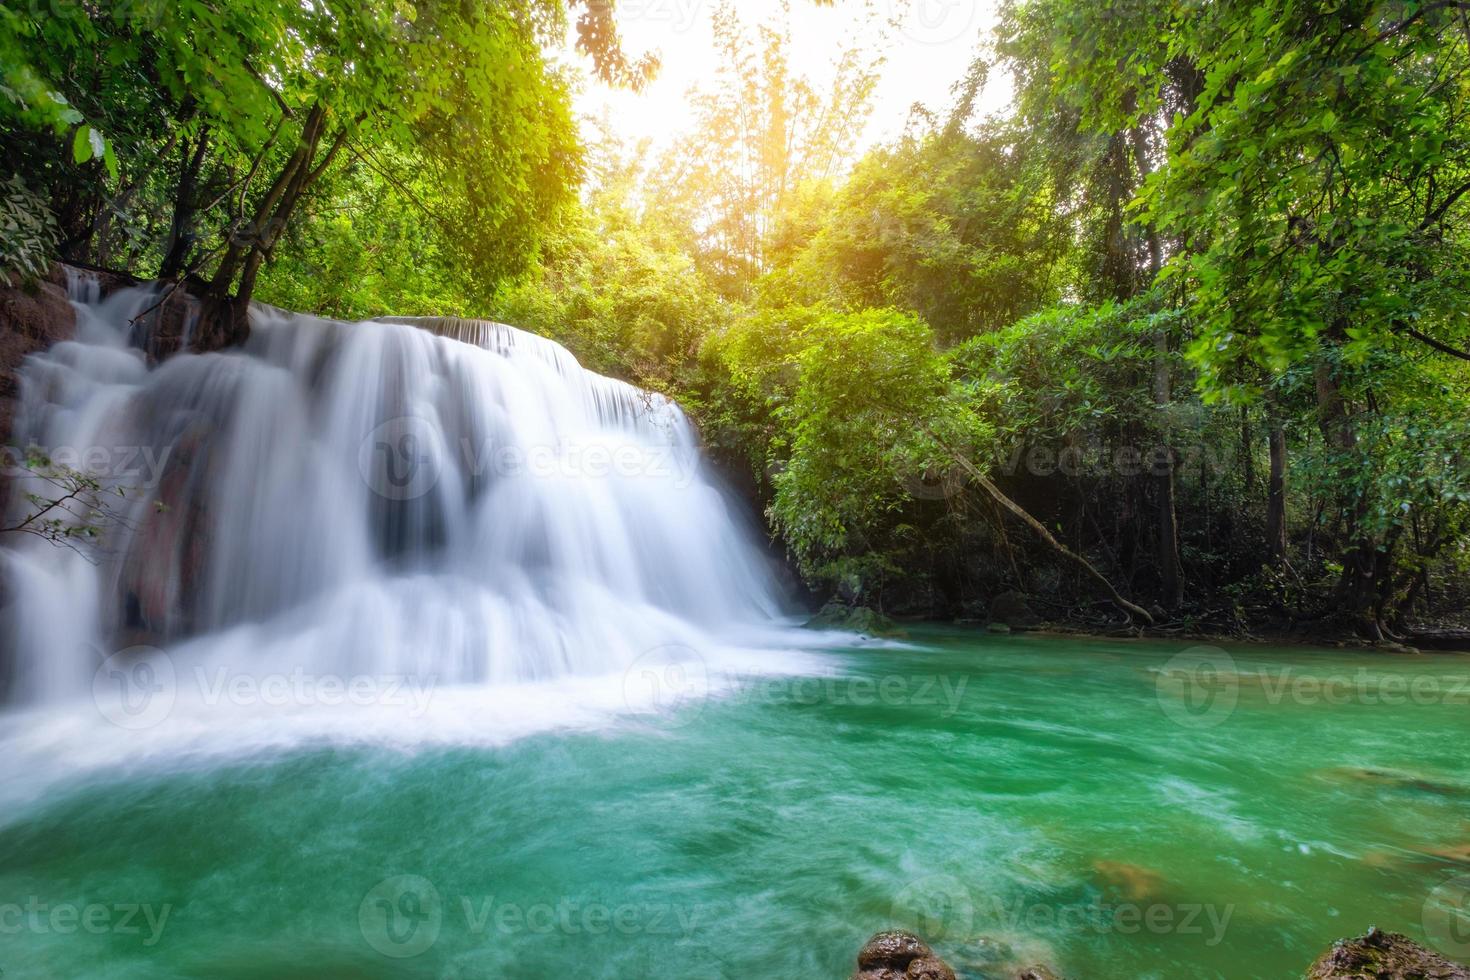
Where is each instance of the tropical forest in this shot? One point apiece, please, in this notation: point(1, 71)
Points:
point(889, 489)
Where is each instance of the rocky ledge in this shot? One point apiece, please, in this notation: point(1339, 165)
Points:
point(1383, 956)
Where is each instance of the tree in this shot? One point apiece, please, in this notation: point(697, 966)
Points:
point(762, 132)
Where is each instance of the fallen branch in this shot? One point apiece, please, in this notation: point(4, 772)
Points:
point(1134, 610)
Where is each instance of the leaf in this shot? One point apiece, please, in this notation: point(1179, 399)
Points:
point(81, 146)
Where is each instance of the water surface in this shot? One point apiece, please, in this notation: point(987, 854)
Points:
point(1018, 799)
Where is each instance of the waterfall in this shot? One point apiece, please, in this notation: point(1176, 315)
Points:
point(441, 498)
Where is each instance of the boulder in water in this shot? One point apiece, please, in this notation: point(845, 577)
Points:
point(894, 954)
point(1383, 956)
point(929, 968)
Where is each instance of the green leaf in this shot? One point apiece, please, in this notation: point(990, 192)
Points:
point(81, 146)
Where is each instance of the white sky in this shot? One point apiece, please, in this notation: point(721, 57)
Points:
point(928, 51)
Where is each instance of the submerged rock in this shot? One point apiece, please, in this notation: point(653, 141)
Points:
point(1383, 956)
point(1017, 958)
point(1131, 881)
point(1395, 779)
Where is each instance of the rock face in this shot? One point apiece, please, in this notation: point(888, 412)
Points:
point(1383, 956)
point(1011, 609)
point(32, 318)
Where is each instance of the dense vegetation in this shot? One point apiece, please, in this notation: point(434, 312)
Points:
point(1184, 338)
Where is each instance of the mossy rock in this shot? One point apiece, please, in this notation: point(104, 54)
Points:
point(1383, 956)
point(853, 619)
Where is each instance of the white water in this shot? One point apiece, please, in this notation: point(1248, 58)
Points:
point(448, 506)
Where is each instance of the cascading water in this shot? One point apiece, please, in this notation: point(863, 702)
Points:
point(446, 500)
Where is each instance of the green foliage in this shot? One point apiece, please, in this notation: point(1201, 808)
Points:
point(27, 234)
point(625, 301)
point(1202, 227)
point(875, 407)
point(950, 226)
point(763, 133)
point(193, 137)
point(67, 507)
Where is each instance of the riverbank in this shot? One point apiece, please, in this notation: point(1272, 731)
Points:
point(1015, 616)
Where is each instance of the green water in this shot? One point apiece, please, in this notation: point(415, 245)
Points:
point(1012, 797)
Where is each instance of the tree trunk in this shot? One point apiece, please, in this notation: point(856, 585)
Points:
point(1171, 568)
point(1276, 494)
point(247, 240)
point(1247, 452)
point(1355, 593)
point(181, 230)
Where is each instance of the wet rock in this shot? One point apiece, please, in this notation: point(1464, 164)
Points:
point(1011, 609)
point(893, 950)
point(1383, 956)
point(1036, 973)
point(32, 318)
point(853, 619)
point(997, 958)
point(929, 968)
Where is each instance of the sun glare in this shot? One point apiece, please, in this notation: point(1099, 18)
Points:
point(926, 45)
